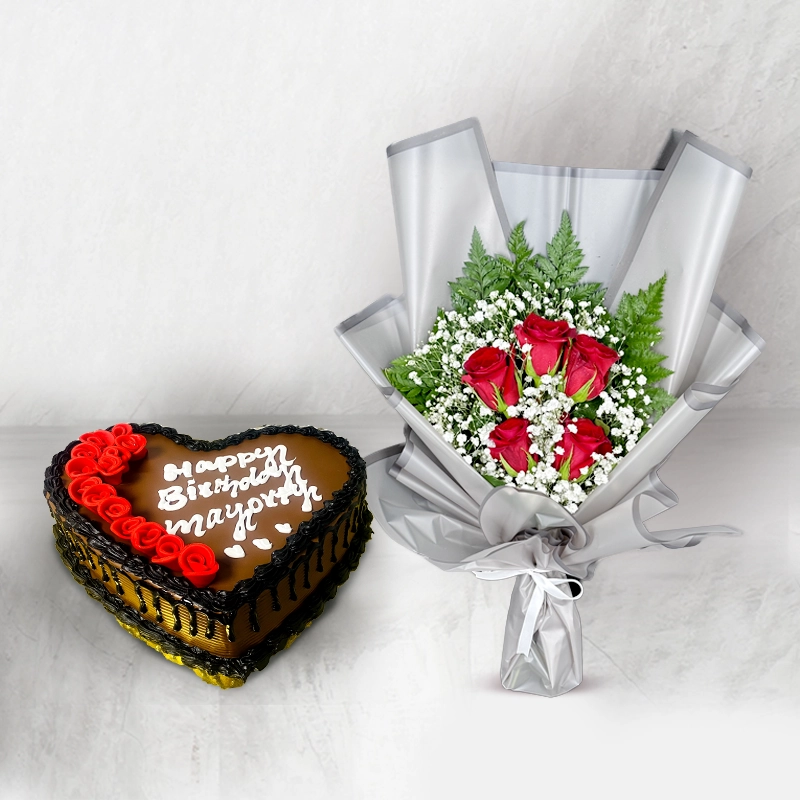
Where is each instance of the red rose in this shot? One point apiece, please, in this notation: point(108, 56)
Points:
point(493, 376)
point(168, 549)
point(112, 466)
point(86, 450)
point(100, 438)
point(92, 495)
point(547, 340)
point(122, 429)
point(145, 536)
point(133, 443)
point(113, 507)
point(579, 446)
point(78, 485)
point(76, 467)
point(198, 564)
point(588, 363)
point(511, 445)
point(123, 527)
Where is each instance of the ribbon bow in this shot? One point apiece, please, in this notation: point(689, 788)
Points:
point(543, 585)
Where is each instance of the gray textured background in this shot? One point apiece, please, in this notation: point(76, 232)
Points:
point(192, 195)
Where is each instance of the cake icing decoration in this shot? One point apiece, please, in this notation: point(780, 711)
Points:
point(234, 552)
point(96, 466)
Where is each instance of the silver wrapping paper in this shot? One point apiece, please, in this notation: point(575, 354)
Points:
point(632, 228)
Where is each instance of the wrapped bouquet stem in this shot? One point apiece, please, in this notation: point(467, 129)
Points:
point(542, 389)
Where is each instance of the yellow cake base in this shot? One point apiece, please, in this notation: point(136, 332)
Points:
point(216, 679)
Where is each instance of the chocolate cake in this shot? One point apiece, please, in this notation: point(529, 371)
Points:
point(217, 554)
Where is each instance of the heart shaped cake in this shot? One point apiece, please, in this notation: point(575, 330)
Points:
point(217, 554)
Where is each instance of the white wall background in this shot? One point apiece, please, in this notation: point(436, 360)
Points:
point(193, 194)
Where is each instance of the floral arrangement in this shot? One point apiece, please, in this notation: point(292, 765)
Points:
point(95, 468)
point(530, 377)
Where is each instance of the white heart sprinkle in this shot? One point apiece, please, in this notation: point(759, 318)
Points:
point(235, 551)
point(283, 527)
point(263, 544)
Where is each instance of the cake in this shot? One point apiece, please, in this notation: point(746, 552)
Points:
point(217, 554)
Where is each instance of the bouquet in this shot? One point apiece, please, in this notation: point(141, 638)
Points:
point(542, 389)
point(530, 378)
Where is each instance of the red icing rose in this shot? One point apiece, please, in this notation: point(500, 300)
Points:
point(145, 536)
point(133, 443)
point(588, 363)
point(76, 467)
point(112, 466)
point(121, 429)
point(77, 486)
point(86, 450)
point(113, 507)
point(168, 549)
point(511, 445)
point(100, 438)
point(547, 340)
point(492, 374)
point(198, 564)
point(123, 527)
point(117, 452)
point(579, 446)
point(92, 495)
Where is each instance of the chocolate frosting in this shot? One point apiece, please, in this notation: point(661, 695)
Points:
point(332, 462)
point(321, 466)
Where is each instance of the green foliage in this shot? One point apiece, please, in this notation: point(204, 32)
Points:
point(636, 325)
point(561, 270)
point(416, 375)
point(556, 279)
point(557, 274)
point(483, 274)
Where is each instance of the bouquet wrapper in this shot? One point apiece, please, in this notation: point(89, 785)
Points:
point(635, 225)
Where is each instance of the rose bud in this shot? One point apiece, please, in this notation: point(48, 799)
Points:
point(91, 496)
point(112, 466)
point(578, 447)
point(512, 445)
point(117, 452)
point(198, 564)
point(168, 549)
point(122, 429)
point(492, 374)
point(113, 507)
point(546, 340)
point(78, 485)
point(133, 443)
point(76, 467)
point(123, 527)
point(588, 363)
point(86, 450)
point(145, 536)
point(100, 438)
